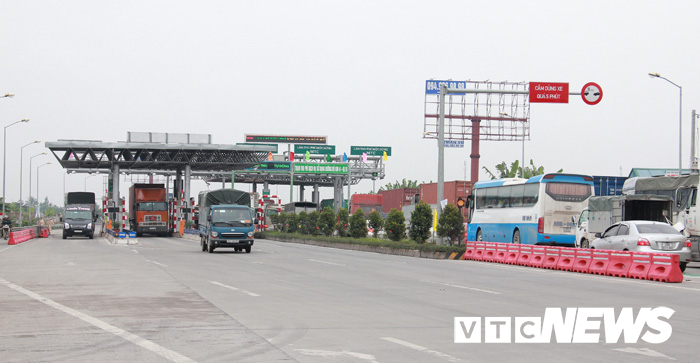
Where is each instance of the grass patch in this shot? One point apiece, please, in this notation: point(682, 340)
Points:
point(374, 242)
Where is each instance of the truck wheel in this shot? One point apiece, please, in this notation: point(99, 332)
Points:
point(516, 236)
point(584, 243)
point(210, 246)
point(683, 265)
point(247, 250)
point(204, 245)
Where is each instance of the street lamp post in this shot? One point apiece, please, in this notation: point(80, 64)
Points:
point(4, 159)
point(680, 121)
point(38, 204)
point(21, 162)
point(85, 181)
point(30, 178)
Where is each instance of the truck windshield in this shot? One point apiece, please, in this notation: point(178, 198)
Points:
point(231, 216)
point(153, 206)
point(78, 214)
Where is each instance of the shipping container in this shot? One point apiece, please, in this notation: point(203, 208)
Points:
point(366, 202)
point(453, 190)
point(608, 185)
point(397, 198)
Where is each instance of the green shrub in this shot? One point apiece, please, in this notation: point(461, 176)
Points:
point(326, 222)
point(395, 225)
point(292, 223)
point(303, 221)
point(341, 224)
point(312, 224)
point(358, 224)
point(421, 220)
point(451, 224)
point(376, 222)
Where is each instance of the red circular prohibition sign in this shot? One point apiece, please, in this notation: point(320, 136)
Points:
point(591, 93)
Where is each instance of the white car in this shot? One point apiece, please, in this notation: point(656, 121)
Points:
point(644, 236)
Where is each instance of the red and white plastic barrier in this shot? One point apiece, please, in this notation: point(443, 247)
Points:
point(638, 265)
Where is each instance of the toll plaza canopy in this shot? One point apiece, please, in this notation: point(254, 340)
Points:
point(89, 156)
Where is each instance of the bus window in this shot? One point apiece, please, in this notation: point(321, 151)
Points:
point(530, 194)
point(490, 196)
point(503, 197)
point(516, 195)
point(568, 192)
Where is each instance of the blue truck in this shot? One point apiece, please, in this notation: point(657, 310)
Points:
point(226, 220)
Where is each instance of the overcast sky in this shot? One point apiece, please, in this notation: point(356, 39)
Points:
point(354, 71)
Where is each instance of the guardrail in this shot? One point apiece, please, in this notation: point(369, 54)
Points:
point(638, 265)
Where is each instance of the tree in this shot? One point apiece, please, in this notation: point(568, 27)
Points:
point(395, 225)
point(375, 222)
point(516, 170)
point(400, 185)
point(326, 221)
point(341, 224)
point(358, 224)
point(312, 223)
point(421, 220)
point(451, 224)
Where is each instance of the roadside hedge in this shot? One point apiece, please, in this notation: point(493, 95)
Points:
point(403, 244)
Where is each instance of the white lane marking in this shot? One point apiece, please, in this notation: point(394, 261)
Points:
point(7, 248)
point(144, 343)
point(463, 287)
point(327, 263)
point(159, 264)
point(330, 353)
point(644, 351)
point(234, 288)
point(421, 348)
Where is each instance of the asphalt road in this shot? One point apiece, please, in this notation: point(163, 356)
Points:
point(81, 300)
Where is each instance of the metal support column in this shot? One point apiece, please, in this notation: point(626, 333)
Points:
point(117, 220)
point(188, 177)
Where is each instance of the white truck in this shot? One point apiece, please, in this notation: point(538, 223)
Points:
point(684, 192)
point(602, 212)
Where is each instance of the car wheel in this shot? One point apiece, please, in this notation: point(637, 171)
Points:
point(584, 243)
point(683, 265)
point(247, 250)
point(204, 245)
point(64, 236)
point(210, 246)
point(516, 236)
point(479, 237)
point(91, 235)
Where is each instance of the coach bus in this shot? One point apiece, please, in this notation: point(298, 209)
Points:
point(538, 210)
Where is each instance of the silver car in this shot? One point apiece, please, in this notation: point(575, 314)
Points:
point(644, 236)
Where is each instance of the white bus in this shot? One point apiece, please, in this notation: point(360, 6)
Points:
point(538, 210)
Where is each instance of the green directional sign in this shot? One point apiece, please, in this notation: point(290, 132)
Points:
point(273, 166)
point(314, 149)
point(320, 168)
point(286, 139)
point(370, 150)
point(250, 143)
